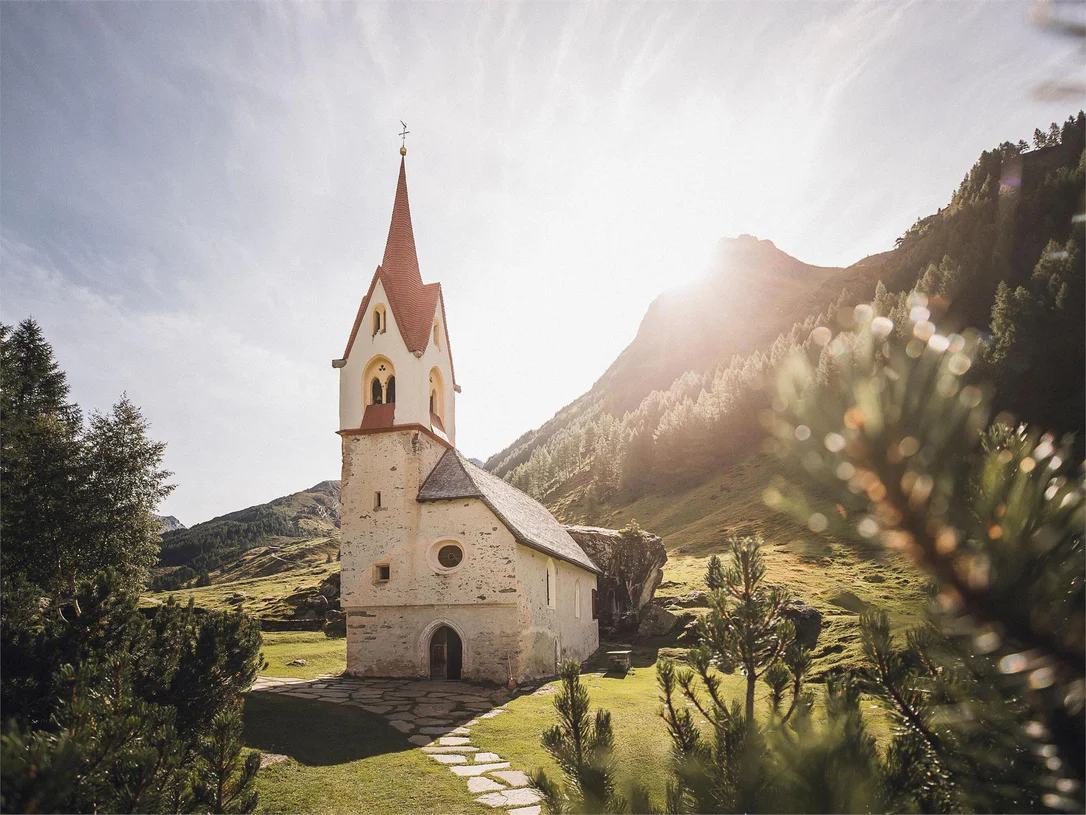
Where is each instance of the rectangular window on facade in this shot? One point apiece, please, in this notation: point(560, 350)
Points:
point(381, 573)
point(377, 500)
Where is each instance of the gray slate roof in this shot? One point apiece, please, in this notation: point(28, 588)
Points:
point(530, 522)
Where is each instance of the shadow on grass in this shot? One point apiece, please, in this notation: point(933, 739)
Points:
point(317, 733)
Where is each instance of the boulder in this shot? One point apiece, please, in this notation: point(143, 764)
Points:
point(807, 621)
point(329, 589)
point(632, 561)
point(335, 623)
point(300, 598)
point(298, 662)
point(694, 599)
point(656, 621)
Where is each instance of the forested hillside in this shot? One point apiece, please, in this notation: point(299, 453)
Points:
point(1004, 257)
point(194, 552)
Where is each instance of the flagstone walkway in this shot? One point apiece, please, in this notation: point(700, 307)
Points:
point(437, 717)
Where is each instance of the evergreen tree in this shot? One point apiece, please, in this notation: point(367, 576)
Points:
point(897, 452)
point(225, 782)
point(714, 574)
point(582, 747)
point(105, 708)
point(76, 500)
point(745, 629)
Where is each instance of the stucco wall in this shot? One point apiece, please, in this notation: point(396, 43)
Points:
point(544, 627)
point(496, 598)
point(487, 573)
point(394, 641)
point(412, 373)
point(394, 463)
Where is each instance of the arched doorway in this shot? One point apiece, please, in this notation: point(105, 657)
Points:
point(446, 654)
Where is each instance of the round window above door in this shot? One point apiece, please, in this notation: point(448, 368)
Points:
point(446, 556)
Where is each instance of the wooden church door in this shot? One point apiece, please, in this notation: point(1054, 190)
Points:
point(446, 654)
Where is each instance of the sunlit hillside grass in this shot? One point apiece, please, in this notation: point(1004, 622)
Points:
point(695, 522)
point(265, 576)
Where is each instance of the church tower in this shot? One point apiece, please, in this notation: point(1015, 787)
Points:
point(397, 417)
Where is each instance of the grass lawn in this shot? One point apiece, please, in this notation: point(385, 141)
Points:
point(344, 760)
point(321, 654)
point(642, 744)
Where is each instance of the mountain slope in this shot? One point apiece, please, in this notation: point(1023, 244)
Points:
point(307, 515)
point(168, 523)
point(753, 293)
point(1005, 251)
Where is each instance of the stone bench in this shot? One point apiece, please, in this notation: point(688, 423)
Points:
point(620, 659)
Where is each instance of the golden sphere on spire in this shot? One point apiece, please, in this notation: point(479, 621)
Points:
point(403, 151)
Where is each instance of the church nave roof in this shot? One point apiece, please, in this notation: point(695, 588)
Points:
point(530, 522)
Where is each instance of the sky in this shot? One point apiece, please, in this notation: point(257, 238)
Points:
point(194, 196)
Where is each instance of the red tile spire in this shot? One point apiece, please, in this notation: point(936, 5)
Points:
point(401, 261)
point(414, 303)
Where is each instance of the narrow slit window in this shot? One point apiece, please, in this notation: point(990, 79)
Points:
point(377, 500)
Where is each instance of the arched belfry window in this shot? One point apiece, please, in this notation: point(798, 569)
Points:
point(437, 394)
point(379, 320)
point(379, 382)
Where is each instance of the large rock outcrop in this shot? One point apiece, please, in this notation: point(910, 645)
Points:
point(632, 561)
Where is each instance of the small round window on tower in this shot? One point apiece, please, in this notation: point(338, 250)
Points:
point(450, 555)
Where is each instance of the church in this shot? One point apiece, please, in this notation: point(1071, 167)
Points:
point(448, 572)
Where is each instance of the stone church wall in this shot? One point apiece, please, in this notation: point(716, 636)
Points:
point(552, 635)
point(389, 624)
point(395, 640)
point(394, 464)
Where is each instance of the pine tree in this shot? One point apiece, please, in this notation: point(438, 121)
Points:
point(76, 500)
point(582, 747)
point(104, 705)
point(225, 781)
point(898, 452)
point(714, 574)
point(745, 629)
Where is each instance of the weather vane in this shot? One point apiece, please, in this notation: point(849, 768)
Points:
point(403, 138)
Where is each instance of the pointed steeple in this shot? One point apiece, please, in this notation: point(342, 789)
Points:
point(413, 303)
point(401, 263)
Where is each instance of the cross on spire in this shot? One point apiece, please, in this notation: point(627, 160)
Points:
point(403, 138)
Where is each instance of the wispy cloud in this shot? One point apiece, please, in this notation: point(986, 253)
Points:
point(193, 196)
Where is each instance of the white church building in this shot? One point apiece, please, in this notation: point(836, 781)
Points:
point(448, 572)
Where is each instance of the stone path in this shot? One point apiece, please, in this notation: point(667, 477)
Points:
point(437, 717)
